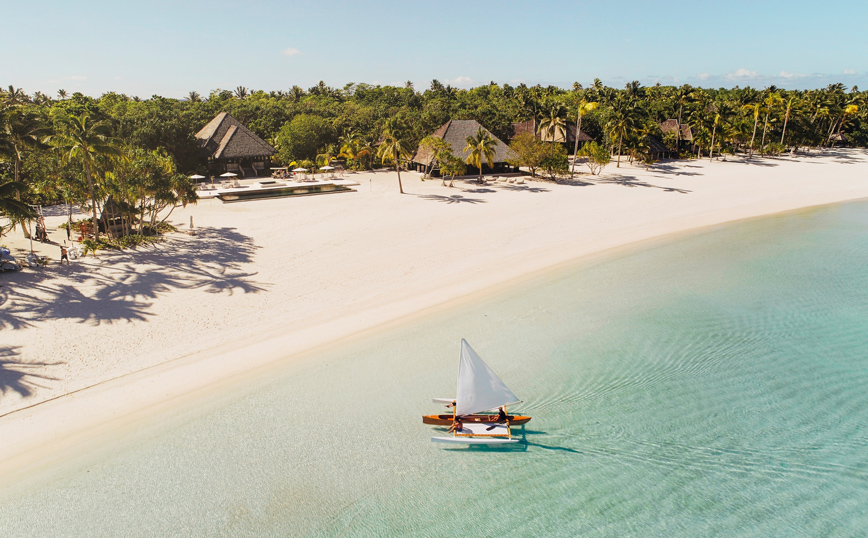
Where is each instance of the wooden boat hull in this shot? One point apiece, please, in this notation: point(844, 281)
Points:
point(446, 420)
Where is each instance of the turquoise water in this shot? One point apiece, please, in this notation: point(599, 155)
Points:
point(714, 385)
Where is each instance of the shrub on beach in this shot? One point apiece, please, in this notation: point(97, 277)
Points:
point(597, 157)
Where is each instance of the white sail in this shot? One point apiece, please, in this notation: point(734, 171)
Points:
point(479, 389)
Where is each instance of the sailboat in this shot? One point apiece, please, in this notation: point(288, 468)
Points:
point(479, 389)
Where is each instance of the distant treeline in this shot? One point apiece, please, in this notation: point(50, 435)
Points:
point(323, 120)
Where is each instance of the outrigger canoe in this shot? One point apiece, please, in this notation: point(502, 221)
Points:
point(479, 390)
point(446, 420)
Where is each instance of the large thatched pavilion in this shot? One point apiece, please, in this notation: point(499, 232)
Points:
point(455, 132)
point(229, 146)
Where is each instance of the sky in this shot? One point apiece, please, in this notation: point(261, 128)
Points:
point(171, 48)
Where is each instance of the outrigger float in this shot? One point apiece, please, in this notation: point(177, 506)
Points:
point(479, 390)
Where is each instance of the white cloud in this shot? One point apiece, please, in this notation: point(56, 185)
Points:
point(786, 74)
point(703, 76)
point(849, 71)
point(459, 81)
point(290, 52)
point(742, 73)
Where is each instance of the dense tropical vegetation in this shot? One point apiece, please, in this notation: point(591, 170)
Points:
point(83, 150)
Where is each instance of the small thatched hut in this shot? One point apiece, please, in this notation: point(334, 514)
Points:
point(229, 146)
point(532, 127)
point(671, 126)
point(656, 148)
point(455, 133)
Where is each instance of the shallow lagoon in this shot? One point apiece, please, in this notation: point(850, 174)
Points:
point(713, 384)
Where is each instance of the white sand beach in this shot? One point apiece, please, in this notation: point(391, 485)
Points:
point(106, 340)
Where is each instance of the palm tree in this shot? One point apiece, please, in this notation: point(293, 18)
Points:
point(772, 100)
point(14, 97)
point(481, 147)
point(241, 92)
point(552, 126)
point(682, 97)
point(395, 145)
point(12, 207)
point(194, 97)
point(19, 132)
point(88, 140)
point(452, 166)
point(585, 107)
point(434, 147)
point(622, 123)
point(850, 109)
point(787, 115)
point(755, 110)
point(713, 132)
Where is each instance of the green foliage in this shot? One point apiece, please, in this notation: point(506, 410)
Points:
point(555, 162)
point(526, 150)
point(302, 124)
point(597, 157)
point(17, 212)
point(481, 149)
point(302, 137)
point(774, 149)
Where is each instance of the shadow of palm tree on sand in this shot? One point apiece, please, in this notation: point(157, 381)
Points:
point(215, 261)
point(16, 375)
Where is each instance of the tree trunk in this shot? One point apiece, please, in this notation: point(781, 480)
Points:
point(765, 128)
point(576, 149)
point(786, 119)
point(398, 169)
point(711, 149)
point(620, 139)
point(92, 200)
point(831, 130)
point(678, 129)
point(753, 137)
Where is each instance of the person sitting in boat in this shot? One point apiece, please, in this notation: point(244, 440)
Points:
point(501, 415)
point(456, 426)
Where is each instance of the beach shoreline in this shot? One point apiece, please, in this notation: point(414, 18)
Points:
point(453, 250)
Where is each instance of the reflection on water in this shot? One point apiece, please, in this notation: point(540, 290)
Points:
point(709, 386)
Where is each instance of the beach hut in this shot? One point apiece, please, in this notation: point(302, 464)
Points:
point(455, 132)
point(672, 126)
point(656, 148)
point(532, 126)
point(229, 146)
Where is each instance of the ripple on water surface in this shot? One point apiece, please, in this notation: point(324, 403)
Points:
point(714, 385)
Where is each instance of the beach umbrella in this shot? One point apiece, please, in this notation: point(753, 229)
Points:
point(326, 167)
point(299, 170)
point(197, 176)
point(228, 174)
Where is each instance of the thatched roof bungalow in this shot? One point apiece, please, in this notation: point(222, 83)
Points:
point(229, 146)
point(671, 126)
point(455, 133)
point(532, 127)
point(656, 148)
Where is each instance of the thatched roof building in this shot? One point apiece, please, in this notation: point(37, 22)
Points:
point(671, 126)
point(455, 133)
point(229, 146)
point(656, 148)
point(532, 127)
